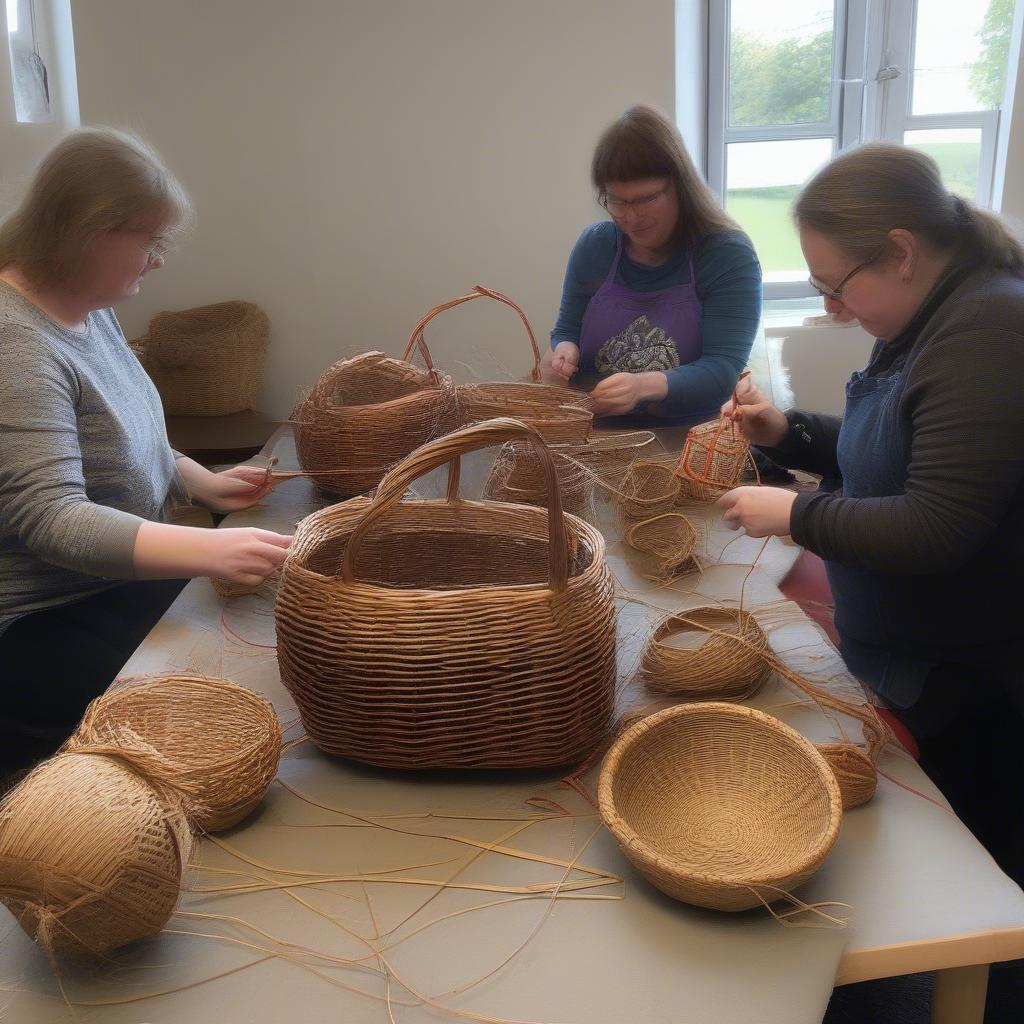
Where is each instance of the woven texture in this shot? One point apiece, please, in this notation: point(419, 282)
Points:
point(366, 413)
point(670, 540)
point(91, 856)
point(206, 361)
point(714, 457)
point(609, 455)
point(854, 771)
point(215, 743)
point(518, 476)
point(710, 653)
point(720, 805)
point(648, 489)
point(450, 633)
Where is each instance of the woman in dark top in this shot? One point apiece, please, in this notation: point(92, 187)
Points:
point(922, 529)
point(661, 304)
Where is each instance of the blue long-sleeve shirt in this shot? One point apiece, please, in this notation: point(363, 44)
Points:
point(729, 288)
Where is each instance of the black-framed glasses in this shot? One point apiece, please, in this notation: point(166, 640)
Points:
point(837, 293)
point(620, 207)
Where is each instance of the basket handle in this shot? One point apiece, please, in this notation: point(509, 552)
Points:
point(449, 449)
point(416, 339)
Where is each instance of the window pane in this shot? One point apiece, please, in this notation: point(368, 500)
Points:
point(762, 180)
point(957, 151)
point(28, 73)
point(780, 62)
point(960, 55)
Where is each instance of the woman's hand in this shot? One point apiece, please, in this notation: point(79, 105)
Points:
point(229, 491)
point(560, 365)
point(759, 421)
point(246, 555)
point(760, 511)
point(623, 392)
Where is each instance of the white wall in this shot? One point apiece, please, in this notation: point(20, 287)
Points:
point(355, 163)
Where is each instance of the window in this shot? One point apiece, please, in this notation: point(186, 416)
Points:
point(29, 76)
point(793, 82)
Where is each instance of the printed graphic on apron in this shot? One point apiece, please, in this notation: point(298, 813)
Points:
point(637, 349)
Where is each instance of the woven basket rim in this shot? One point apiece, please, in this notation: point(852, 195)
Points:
point(580, 528)
point(650, 854)
point(671, 624)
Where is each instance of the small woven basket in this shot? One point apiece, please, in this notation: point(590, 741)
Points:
point(206, 361)
point(366, 413)
point(714, 457)
point(648, 489)
point(720, 805)
point(518, 476)
point(212, 741)
point(449, 633)
point(729, 663)
point(670, 540)
point(609, 455)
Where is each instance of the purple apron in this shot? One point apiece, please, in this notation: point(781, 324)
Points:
point(625, 331)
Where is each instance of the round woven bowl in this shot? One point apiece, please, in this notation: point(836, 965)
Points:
point(720, 805)
point(730, 662)
point(670, 539)
point(648, 489)
point(449, 633)
point(211, 740)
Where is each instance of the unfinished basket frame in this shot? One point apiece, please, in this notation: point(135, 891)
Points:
point(648, 489)
point(453, 633)
point(670, 539)
point(517, 476)
point(713, 460)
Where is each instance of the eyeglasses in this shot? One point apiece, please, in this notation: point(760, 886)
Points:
point(837, 293)
point(620, 207)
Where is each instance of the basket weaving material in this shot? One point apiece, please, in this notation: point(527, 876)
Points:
point(366, 413)
point(610, 455)
point(670, 539)
point(451, 633)
point(720, 805)
point(212, 741)
point(91, 856)
point(854, 771)
point(648, 489)
point(206, 361)
point(714, 457)
point(729, 663)
point(518, 476)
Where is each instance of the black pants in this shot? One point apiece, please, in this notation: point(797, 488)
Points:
point(53, 662)
point(970, 733)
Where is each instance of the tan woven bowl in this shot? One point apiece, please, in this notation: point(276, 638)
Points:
point(648, 489)
point(518, 476)
point(720, 805)
point(212, 741)
point(366, 413)
point(728, 662)
point(449, 633)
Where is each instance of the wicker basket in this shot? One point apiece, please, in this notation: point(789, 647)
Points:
point(720, 805)
point(366, 413)
point(729, 663)
point(206, 361)
point(648, 489)
point(449, 633)
point(610, 455)
point(714, 457)
point(518, 476)
point(670, 539)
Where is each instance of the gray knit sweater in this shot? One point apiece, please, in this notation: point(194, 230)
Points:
point(84, 457)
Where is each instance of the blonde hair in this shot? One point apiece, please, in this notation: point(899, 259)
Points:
point(862, 195)
point(643, 143)
point(93, 180)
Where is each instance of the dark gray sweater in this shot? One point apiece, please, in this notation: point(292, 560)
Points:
point(84, 457)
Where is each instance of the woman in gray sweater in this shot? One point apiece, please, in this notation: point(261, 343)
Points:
point(922, 528)
point(88, 559)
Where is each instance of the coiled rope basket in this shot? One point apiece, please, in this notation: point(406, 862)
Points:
point(720, 805)
point(206, 361)
point(449, 633)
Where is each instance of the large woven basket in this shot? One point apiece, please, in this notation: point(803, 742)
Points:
point(449, 633)
point(720, 805)
point(206, 361)
point(560, 415)
point(365, 414)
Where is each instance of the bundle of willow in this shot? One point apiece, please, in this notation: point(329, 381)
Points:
point(560, 415)
point(211, 741)
point(729, 663)
point(366, 413)
point(518, 476)
point(91, 854)
point(419, 634)
point(714, 457)
point(671, 539)
point(720, 805)
point(648, 489)
point(609, 455)
point(206, 361)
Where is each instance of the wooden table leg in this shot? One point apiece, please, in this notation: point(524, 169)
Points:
point(959, 995)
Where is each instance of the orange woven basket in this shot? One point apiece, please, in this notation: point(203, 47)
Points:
point(720, 805)
point(449, 633)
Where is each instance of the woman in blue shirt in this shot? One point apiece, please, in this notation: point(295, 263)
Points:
point(661, 304)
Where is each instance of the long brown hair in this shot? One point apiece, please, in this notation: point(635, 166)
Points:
point(643, 143)
point(93, 180)
point(862, 195)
